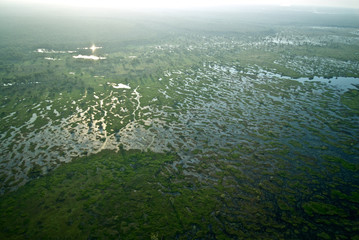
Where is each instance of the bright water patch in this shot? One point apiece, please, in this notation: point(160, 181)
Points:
point(89, 57)
point(120, 85)
point(43, 50)
point(342, 83)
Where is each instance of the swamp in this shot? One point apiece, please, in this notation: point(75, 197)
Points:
point(237, 123)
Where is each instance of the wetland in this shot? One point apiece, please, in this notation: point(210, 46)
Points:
point(184, 125)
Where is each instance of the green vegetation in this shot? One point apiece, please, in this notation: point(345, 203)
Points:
point(107, 195)
point(312, 208)
point(351, 99)
point(136, 195)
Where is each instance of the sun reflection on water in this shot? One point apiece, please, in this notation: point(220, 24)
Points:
point(93, 48)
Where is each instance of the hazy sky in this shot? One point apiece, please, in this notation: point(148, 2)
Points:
point(190, 3)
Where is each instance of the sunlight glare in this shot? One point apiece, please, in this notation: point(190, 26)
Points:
point(286, 3)
point(93, 48)
point(171, 4)
point(152, 4)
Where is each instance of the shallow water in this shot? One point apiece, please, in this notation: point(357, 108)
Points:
point(341, 83)
point(264, 110)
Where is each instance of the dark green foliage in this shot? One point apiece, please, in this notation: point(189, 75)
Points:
point(105, 196)
point(351, 100)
